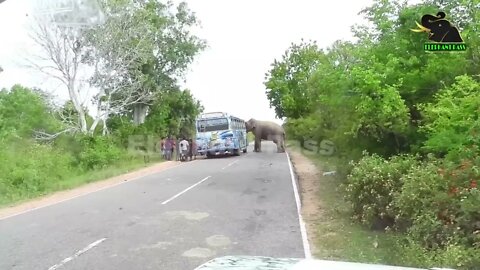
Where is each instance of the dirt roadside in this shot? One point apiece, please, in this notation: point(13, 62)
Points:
point(85, 189)
point(308, 174)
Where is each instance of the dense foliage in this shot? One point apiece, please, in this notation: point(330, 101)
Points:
point(416, 113)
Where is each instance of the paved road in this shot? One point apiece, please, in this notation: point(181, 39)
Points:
point(175, 219)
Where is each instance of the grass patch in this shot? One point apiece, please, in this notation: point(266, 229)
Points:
point(338, 237)
point(78, 179)
point(111, 171)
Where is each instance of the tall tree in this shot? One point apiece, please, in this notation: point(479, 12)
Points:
point(118, 49)
point(286, 81)
point(165, 38)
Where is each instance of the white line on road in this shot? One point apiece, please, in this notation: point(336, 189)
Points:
point(303, 230)
point(231, 163)
point(185, 190)
point(80, 252)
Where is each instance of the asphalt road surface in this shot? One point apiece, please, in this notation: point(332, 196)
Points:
point(175, 219)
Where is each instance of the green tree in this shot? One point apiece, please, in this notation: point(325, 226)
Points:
point(286, 82)
point(176, 110)
point(453, 118)
point(24, 111)
point(154, 47)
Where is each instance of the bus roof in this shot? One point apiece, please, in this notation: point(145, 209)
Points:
point(216, 115)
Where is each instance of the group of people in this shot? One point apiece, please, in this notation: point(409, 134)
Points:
point(171, 147)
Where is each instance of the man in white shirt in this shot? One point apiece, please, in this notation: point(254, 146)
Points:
point(184, 147)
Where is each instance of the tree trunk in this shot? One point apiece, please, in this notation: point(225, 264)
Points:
point(105, 128)
point(82, 119)
point(94, 125)
point(105, 119)
point(139, 113)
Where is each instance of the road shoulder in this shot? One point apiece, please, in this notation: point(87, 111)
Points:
point(307, 174)
point(331, 233)
point(65, 195)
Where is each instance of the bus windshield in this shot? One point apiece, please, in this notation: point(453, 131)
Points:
point(212, 124)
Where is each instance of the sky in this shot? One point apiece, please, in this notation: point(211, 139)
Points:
point(244, 38)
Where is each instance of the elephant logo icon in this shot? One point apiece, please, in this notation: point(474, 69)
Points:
point(439, 29)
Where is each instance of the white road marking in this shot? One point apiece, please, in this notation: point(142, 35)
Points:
point(231, 163)
point(80, 252)
point(303, 230)
point(185, 190)
point(87, 193)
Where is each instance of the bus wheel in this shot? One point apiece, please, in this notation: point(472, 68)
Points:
point(236, 152)
point(245, 150)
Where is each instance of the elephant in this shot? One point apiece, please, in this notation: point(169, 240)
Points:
point(266, 130)
point(439, 29)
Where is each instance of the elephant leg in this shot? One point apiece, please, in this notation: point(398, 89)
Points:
point(258, 144)
point(281, 145)
point(274, 139)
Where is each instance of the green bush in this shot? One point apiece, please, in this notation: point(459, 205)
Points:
point(99, 152)
point(371, 187)
point(413, 254)
point(423, 188)
point(23, 110)
point(29, 169)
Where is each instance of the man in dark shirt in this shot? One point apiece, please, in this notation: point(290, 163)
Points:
point(190, 149)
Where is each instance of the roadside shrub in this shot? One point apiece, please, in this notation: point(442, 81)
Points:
point(99, 152)
point(423, 188)
point(439, 202)
point(413, 254)
point(30, 169)
point(70, 144)
point(371, 187)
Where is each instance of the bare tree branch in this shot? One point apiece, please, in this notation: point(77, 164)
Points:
point(61, 57)
point(43, 136)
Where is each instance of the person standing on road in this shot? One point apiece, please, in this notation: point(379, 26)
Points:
point(190, 149)
point(195, 149)
point(162, 148)
point(184, 147)
point(169, 148)
point(177, 149)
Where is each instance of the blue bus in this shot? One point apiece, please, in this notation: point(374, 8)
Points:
point(219, 133)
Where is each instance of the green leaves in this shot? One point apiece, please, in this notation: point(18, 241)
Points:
point(141, 50)
point(287, 81)
point(450, 118)
point(23, 110)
